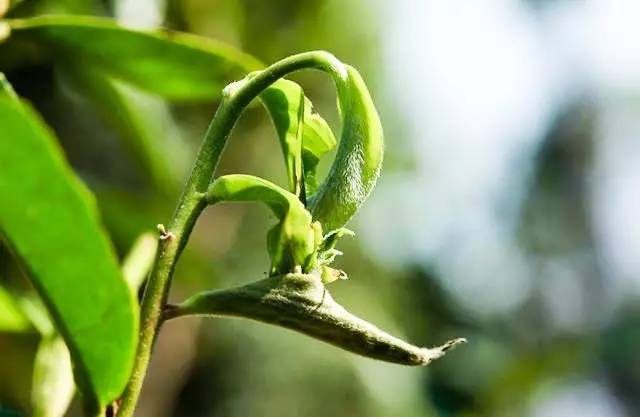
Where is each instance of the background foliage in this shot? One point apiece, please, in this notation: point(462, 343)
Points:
point(507, 208)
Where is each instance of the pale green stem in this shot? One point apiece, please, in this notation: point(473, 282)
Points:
point(234, 100)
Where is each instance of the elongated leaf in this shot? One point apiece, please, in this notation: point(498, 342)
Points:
point(284, 101)
point(304, 135)
point(52, 386)
point(317, 140)
point(174, 65)
point(358, 161)
point(51, 222)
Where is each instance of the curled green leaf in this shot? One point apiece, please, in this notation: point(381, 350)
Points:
point(356, 167)
point(293, 241)
point(330, 240)
point(285, 102)
point(317, 140)
point(304, 135)
point(302, 303)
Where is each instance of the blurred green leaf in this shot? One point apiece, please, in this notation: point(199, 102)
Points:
point(174, 65)
point(302, 144)
point(53, 387)
point(50, 220)
point(127, 111)
point(12, 319)
point(139, 260)
point(35, 310)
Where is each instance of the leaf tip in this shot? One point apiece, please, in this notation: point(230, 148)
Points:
point(431, 354)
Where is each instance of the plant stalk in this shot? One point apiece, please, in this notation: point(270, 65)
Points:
point(236, 96)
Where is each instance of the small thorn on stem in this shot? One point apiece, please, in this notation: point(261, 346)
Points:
point(112, 409)
point(164, 234)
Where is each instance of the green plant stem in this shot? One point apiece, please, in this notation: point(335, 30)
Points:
point(236, 96)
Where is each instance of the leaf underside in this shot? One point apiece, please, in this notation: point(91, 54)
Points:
point(174, 65)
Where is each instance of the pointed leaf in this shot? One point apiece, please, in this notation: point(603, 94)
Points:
point(304, 135)
point(174, 65)
point(284, 101)
point(317, 140)
point(50, 220)
point(358, 161)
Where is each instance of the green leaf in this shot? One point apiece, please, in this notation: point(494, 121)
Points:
point(143, 123)
point(174, 65)
point(292, 243)
point(52, 387)
point(139, 260)
point(304, 135)
point(327, 253)
point(12, 319)
point(317, 140)
point(284, 101)
point(358, 160)
point(50, 220)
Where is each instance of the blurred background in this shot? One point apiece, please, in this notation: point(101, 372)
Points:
point(508, 210)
